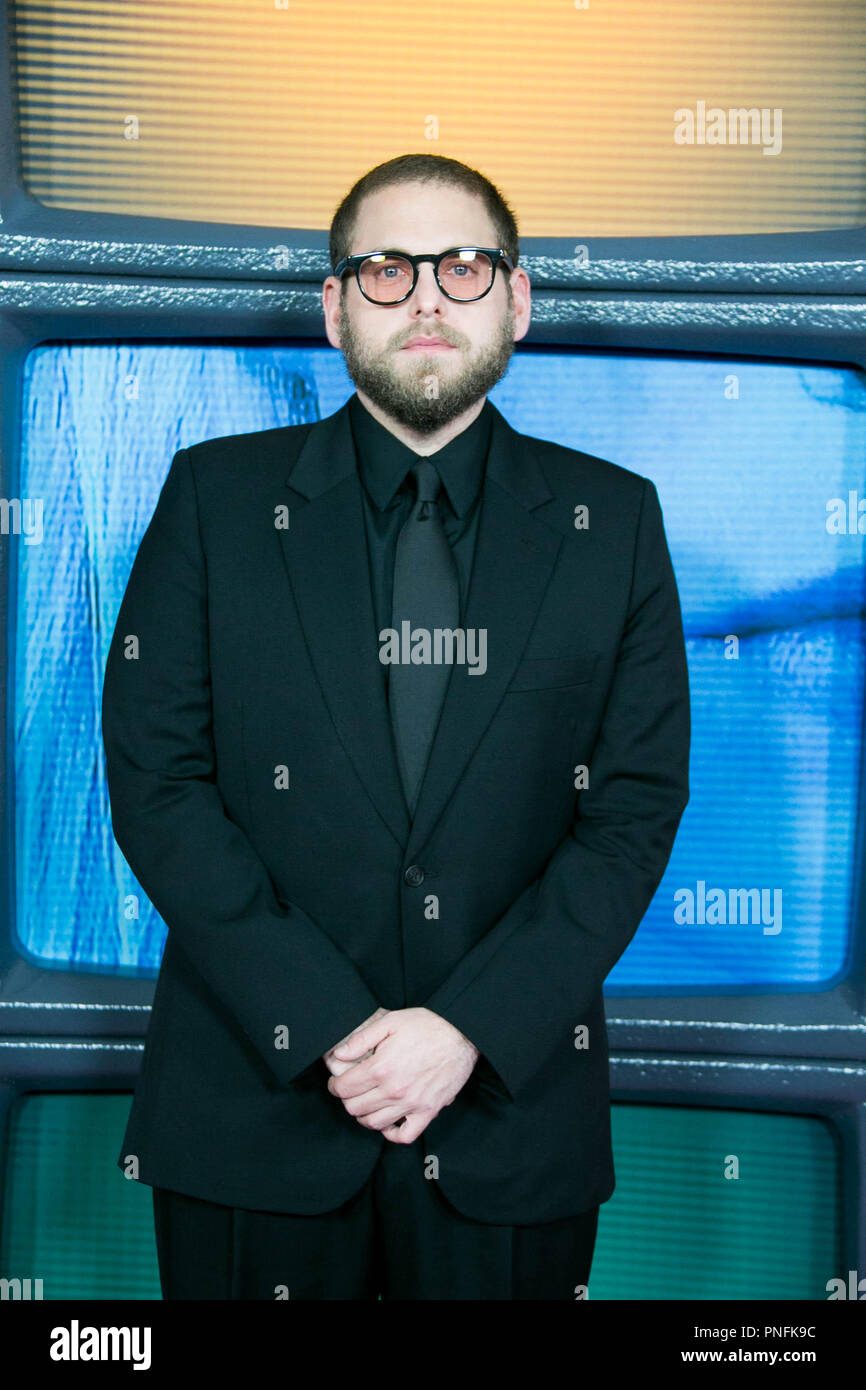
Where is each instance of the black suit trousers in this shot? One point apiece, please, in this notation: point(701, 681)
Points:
point(398, 1237)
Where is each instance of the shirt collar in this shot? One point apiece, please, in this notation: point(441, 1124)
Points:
point(384, 460)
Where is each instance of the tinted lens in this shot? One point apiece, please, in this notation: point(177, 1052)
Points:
point(386, 278)
point(466, 274)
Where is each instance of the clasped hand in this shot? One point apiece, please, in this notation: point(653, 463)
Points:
point(398, 1069)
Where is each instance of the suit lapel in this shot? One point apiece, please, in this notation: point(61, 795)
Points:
point(325, 548)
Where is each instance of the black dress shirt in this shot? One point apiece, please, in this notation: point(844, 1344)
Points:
point(384, 463)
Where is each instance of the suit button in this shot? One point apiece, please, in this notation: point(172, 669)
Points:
point(414, 875)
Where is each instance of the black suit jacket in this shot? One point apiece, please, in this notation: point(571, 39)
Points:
point(245, 658)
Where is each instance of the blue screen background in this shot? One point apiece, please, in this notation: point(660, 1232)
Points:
point(745, 457)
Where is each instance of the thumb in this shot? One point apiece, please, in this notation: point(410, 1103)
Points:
point(362, 1041)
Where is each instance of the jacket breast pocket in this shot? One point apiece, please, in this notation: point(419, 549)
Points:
point(553, 672)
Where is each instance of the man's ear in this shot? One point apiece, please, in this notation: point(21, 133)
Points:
point(331, 287)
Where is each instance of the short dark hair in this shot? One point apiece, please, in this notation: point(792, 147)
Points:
point(422, 168)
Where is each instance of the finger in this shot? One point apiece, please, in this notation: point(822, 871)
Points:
point(337, 1068)
point(408, 1132)
point(348, 1084)
point(357, 1080)
point(363, 1040)
point(370, 1101)
point(381, 1119)
point(352, 1047)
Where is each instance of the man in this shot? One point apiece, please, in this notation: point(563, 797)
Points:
point(396, 723)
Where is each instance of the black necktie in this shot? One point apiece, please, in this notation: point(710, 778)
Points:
point(427, 596)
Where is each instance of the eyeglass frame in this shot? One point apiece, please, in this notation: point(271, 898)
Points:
point(496, 254)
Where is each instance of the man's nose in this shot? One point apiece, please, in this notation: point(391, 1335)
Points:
point(427, 292)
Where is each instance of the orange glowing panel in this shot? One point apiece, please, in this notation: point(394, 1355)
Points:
point(594, 117)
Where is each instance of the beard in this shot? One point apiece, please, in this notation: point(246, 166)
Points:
point(422, 397)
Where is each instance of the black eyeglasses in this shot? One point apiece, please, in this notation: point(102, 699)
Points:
point(464, 273)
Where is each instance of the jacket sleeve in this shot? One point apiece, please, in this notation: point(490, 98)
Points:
point(269, 964)
point(522, 990)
